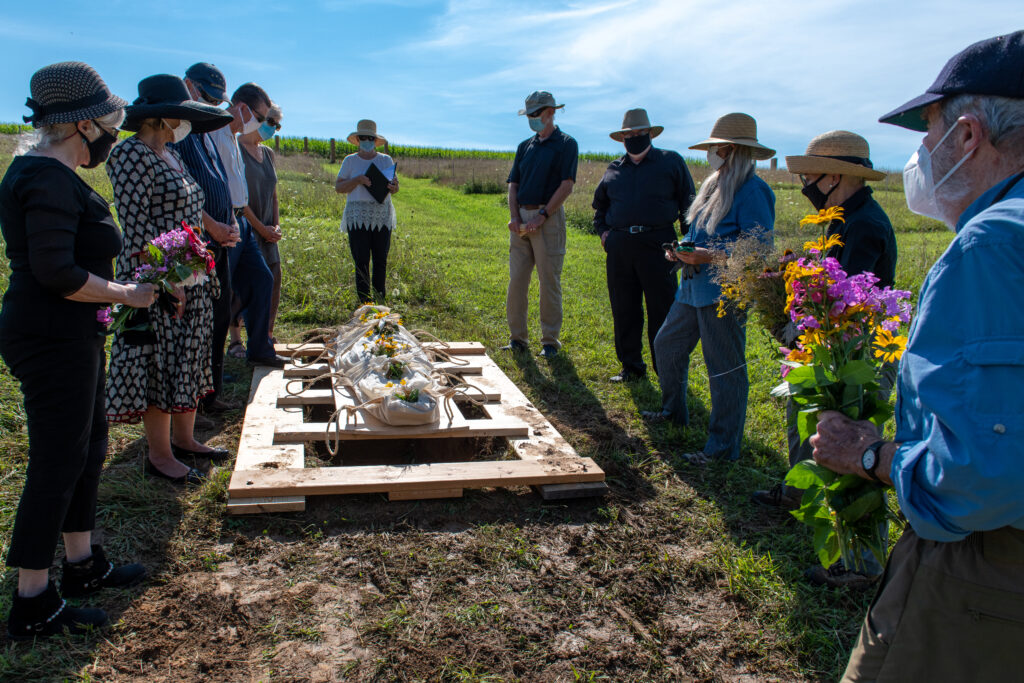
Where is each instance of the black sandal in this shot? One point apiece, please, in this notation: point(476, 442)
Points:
point(193, 476)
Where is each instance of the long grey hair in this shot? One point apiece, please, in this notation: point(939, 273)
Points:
point(719, 189)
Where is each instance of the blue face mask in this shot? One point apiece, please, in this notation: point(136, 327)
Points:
point(536, 124)
point(266, 131)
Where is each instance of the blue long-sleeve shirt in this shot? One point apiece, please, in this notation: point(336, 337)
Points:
point(752, 212)
point(960, 411)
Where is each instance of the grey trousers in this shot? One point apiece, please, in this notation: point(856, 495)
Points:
point(723, 341)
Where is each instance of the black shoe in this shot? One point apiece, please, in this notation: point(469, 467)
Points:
point(838, 576)
point(47, 614)
point(515, 346)
point(778, 496)
point(626, 376)
point(79, 579)
point(548, 352)
point(274, 361)
point(193, 476)
point(216, 406)
point(215, 454)
point(653, 416)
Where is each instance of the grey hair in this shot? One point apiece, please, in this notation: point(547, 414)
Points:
point(52, 134)
point(1002, 117)
point(719, 189)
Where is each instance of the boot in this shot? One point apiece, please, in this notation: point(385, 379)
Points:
point(48, 613)
point(87, 576)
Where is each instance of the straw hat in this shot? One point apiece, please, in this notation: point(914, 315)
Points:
point(737, 129)
point(636, 119)
point(366, 127)
point(67, 92)
point(837, 151)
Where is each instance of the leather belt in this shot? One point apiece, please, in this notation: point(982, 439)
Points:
point(239, 212)
point(530, 207)
point(640, 229)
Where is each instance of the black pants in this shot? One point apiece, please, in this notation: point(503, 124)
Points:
point(63, 384)
point(637, 272)
point(366, 245)
point(221, 318)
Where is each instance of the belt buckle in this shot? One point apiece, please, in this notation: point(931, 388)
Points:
point(636, 229)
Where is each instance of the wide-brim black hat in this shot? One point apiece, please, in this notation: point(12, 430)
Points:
point(166, 97)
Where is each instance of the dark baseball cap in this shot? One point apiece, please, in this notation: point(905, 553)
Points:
point(209, 78)
point(989, 67)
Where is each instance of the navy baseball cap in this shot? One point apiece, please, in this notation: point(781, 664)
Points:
point(989, 67)
point(210, 79)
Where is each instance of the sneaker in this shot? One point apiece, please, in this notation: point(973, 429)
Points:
point(79, 579)
point(778, 496)
point(625, 376)
point(274, 361)
point(653, 416)
point(548, 352)
point(698, 458)
point(515, 346)
point(838, 576)
point(48, 614)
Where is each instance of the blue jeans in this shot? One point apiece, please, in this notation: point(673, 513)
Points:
point(723, 341)
point(253, 285)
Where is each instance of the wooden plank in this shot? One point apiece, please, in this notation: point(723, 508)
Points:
point(256, 447)
point(425, 494)
point(317, 431)
point(590, 489)
point(253, 506)
point(309, 397)
point(317, 369)
point(454, 348)
point(387, 478)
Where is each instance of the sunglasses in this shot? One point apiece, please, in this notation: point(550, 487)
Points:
point(207, 98)
point(367, 138)
point(537, 113)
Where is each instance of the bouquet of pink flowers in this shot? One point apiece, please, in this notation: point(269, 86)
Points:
point(171, 259)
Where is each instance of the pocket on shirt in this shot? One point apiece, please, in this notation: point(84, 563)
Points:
point(994, 370)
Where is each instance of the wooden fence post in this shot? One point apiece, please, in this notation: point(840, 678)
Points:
point(305, 145)
point(775, 163)
point(332, 150)
point(277, 143)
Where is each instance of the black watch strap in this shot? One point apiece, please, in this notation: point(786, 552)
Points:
point(544, 212)
point(877, 448)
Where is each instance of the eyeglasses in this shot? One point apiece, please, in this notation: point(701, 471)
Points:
point(809, 181)
point(367, 138)
point(636, 132)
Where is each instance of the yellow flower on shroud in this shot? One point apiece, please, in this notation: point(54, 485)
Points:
point(800, 356)
point(834, 213)
point(824, 245)
point(888, 347)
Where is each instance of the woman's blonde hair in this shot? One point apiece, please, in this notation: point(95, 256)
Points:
point(51, 134)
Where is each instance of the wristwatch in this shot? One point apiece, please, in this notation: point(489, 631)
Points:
point(870, 459)
point(544, 212)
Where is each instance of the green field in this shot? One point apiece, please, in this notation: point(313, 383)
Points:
point(675, 574)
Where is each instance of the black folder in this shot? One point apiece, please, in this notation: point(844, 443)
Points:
point(378, 188)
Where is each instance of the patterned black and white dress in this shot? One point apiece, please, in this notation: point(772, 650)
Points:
point(173, 373)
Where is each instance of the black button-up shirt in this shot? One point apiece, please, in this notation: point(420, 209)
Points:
point(869, 244)
point(656, 192)
point(540, 166)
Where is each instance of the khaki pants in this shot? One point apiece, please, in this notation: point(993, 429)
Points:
point(946, 612)
point(544, 249)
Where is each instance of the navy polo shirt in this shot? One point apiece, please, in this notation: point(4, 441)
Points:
point(207, 170)
point(540, 166)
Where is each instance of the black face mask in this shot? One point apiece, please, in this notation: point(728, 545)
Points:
point(637, 143)
point(816, 196)
point(99, 149)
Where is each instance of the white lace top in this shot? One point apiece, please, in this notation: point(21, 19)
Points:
point(361, 209)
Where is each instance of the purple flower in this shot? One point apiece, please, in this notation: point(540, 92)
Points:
point(103, 316)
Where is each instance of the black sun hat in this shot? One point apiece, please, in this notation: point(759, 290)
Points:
point(67, 92)
point(166, 97)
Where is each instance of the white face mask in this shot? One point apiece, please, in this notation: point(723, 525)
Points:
point(918, 183)
point(367, 145)
point(182, 131)
point(250, 125)
point(714, 161)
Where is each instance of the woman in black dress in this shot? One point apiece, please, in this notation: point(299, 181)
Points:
point(60, 240)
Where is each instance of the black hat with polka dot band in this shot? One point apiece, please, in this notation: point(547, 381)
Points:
point(67, 92)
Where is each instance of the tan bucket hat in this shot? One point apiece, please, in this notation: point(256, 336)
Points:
point(837, 151)
point(366, 127)
point(736, 129)
point(636, 119)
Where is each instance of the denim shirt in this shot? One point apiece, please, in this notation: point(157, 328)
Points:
point(960, 407)
point(752, 211)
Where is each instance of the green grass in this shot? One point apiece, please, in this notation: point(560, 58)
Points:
point(667, 533)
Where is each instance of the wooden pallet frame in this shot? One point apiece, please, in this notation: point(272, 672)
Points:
point(270, 473)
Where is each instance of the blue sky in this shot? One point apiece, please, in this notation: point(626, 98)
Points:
point(453, 73)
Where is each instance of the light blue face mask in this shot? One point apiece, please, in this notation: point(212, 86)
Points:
point(266, 131)
point(536, 124)
point(367, 145)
